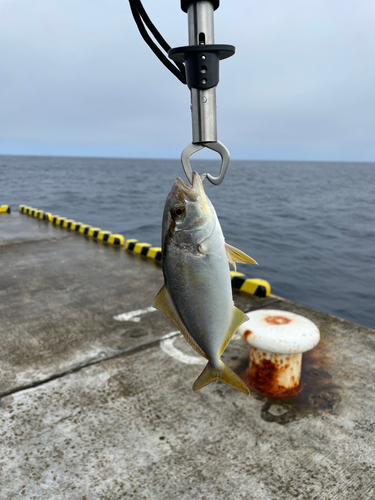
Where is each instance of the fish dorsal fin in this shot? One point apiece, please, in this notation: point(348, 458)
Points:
point(163, 301)
point(234, 255)
point(237, 318)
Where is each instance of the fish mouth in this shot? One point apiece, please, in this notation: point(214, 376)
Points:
point(190, 191)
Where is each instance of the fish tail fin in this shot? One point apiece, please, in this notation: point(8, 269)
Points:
point(223, 373)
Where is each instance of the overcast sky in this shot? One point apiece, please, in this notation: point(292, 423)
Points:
point(76, 78)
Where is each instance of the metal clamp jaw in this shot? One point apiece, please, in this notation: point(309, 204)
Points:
point(201, 58)
point(215, 146)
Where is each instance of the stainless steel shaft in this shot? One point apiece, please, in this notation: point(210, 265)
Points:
point(203, 102)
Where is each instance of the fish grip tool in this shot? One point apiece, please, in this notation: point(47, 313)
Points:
point(196, 65)
point(201, 58)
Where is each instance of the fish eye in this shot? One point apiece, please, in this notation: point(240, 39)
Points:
point(178, 211)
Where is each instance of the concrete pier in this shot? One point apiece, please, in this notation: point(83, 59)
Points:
point(93, 406)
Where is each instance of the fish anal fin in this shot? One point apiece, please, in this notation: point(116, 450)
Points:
point(237, 318)
point(163, 301)
point(224, 374)
point(234, 255)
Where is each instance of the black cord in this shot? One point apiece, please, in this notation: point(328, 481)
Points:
point(141, 18)
point(150, 25)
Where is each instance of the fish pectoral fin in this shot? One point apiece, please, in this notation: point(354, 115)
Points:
point(234, 255)
point(164, 302)
point(223, 373)
point(203, 250)
point(238, 317)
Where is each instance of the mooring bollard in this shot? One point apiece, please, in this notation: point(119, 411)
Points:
point(278, 339)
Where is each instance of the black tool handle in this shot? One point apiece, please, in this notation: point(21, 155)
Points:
point(186, 3)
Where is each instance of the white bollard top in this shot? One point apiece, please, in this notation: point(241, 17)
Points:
point(281, 332)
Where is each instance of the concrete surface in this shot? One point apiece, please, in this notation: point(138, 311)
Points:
point(95, 408)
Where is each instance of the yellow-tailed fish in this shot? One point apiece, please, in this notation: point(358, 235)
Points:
point(197, 294)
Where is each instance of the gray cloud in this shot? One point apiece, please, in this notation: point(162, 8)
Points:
point(301, 85)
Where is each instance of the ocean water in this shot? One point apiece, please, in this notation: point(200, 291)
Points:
point(310, 225)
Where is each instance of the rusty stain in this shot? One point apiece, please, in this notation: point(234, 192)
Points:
point(263, 377)
point(277, 320)
point(247, 334)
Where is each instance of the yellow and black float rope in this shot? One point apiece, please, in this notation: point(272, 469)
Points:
point(258, 287)
point(254, 286)
point(145, 249)
point(85, 229)
point(4, 209)
point(33, 212)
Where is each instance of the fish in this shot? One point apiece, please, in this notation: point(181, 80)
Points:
point(197, 291)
